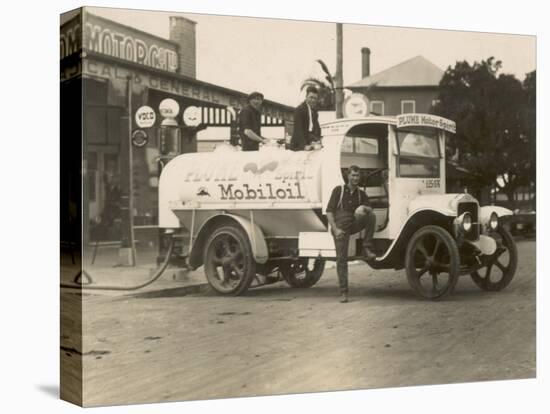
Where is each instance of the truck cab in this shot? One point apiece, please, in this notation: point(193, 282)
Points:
point(398, 164)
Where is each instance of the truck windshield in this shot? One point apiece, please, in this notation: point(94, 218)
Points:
point(419, 154)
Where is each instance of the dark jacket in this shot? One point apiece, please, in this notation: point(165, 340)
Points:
point(251, 119)
point(301, 135)
point(343, 205)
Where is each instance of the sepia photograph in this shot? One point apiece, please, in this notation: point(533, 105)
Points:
point(256, 206)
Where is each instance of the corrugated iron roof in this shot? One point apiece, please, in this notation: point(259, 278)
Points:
point(417, 71)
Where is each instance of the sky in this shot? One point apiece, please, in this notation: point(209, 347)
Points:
point(274, 56)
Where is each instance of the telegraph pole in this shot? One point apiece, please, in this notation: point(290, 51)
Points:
point(339, 74)
point(127, 251)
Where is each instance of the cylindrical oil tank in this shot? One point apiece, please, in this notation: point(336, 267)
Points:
point(287, 191)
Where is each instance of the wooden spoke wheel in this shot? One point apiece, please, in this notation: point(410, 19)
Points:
point(297, 274)
point(432, 262)
point(228, 261)
point(498, 269)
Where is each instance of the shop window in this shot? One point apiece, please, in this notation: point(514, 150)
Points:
point(91, 172)
point(111, 164)
point(114, 123)
point(95, 92)
point(111, 188)
point(95, 125)
point(102, 122)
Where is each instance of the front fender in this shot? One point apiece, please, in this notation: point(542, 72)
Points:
point(486, 211)
point(395, 253)
point(445, 204)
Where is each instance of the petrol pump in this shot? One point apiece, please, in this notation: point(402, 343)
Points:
point(173, 139)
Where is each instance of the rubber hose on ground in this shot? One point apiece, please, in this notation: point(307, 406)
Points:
point(157, 275)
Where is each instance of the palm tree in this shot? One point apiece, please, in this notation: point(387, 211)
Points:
point(324, 86)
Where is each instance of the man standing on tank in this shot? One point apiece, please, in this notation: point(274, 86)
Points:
point(348, 212)
point(250, 120)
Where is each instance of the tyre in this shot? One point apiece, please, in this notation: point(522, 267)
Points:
point(499, 268)
point(432, 262)
point(228, 261)
point(297, 275)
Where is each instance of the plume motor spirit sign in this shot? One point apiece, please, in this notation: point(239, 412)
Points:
point(425, 120)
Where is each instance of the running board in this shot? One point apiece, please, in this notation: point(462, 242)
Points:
point(321, 244)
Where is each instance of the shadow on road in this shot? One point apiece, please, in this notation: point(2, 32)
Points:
point(49, 389)
point(282, 292)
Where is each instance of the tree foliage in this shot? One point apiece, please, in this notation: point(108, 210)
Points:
point(495, 123)
point(530, 88)
point(324, 86)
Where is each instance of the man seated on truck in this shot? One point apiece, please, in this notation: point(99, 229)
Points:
point(306, 122)
point(348, 212)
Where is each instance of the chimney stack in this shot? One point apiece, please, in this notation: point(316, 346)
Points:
point(182, 31)
point(365, 62)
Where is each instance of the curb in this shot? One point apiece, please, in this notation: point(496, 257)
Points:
point(171, 292)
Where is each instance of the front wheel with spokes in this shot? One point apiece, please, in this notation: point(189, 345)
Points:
point(499, 268)
point(228, 261)
point(432, 262)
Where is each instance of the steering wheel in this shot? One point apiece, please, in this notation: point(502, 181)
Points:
point(382, 201)
point(376, 171)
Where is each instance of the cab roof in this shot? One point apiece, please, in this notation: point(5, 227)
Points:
point(343, 125)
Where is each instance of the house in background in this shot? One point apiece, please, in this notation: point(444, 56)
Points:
point(410, 86)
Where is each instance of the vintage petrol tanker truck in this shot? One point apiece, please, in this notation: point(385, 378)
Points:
point(252, 218)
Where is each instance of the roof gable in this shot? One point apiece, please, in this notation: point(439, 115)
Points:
point(417, 71)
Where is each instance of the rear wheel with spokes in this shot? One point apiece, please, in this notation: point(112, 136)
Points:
point(432, 262)
point(499, 268)
point(228, 261)
point(297, 274)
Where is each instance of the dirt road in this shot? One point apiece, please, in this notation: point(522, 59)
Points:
point(278, 340)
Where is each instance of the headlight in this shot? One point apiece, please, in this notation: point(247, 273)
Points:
point(463, 223)
point(493, 221)
point(466, 222)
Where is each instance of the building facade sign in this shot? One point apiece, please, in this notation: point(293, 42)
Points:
point(172, 85)
point(145, 117)
point(106, 37)
point(139, 138)
point(103, 36)
point(70, 37)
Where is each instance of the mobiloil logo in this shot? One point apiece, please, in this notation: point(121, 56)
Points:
point(267, 191)
point(285, 185)
point(265, 179)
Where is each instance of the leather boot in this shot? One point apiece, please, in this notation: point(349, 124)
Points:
point(344, 297)
point(368, 253)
